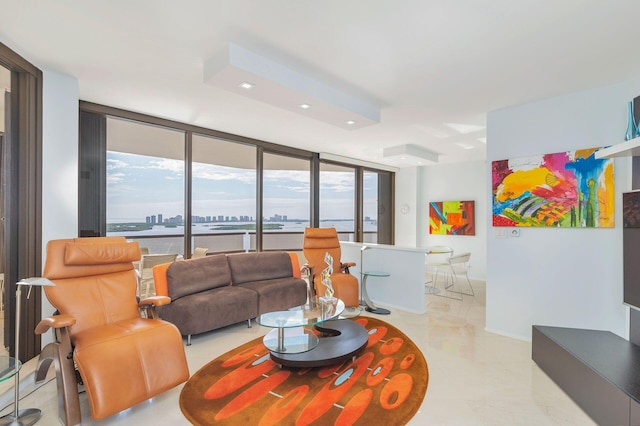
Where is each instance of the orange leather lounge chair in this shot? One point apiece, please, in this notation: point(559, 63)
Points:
point(317, 242)
point(122, 359)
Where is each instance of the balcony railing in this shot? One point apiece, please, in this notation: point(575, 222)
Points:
point(231, 242)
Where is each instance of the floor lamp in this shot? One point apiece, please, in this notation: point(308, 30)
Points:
point(27, 416)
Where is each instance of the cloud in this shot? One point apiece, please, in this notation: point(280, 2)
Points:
point(221, 173)
point(337, 182)
point(113, 178)
point(291, 175)
point(113, 164)
point(174, 166)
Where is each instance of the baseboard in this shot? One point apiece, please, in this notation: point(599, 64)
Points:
point(510, 335)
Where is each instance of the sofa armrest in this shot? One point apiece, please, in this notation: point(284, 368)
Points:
point(160, 279)
point(295, 265)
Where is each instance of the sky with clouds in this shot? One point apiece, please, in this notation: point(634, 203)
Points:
point(139, 186)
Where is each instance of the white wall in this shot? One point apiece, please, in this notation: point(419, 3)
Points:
point(60, 157)
point(445, 182)
point(59, 164)
point(558, 277)
point(407, 197)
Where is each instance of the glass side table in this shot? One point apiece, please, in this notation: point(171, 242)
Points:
point(289, 334)
point(9, 366)
point(368, 303)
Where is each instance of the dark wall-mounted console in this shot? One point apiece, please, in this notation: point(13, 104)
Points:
point(599, 370)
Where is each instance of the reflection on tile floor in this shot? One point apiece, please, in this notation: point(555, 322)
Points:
point(476, 378)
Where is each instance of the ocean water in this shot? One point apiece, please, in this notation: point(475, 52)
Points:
point(212, 228)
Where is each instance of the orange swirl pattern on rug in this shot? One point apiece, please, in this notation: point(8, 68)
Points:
point(385, 384)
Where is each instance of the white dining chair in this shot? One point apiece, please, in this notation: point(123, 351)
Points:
point(199, 252)
point(455, 273)
point(436, 256)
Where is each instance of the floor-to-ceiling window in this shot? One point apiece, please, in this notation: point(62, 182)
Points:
point(223, 199)
point(370, 207)
point(5, 88)
point(338, 199)
point(21, 169)
point(176, 187)
point(286, 201)
point(145, 184)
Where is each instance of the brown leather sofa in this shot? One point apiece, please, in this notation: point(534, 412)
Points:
point(122, 359)
point(219, 290)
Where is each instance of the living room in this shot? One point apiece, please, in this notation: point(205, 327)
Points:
point(560, 277)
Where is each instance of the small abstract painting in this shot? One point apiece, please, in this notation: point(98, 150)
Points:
point(452, 218)
point(569, 189)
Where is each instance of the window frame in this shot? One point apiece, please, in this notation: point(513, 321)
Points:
point(262, 147)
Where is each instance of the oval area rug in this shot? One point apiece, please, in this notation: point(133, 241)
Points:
point(385, 384)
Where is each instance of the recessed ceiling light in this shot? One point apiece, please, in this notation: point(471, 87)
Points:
point(350, 122)
point(247, 85)
point(464, 128)
point(465, 145)
point(305, 106)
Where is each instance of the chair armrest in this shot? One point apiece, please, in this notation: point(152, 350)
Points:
point(344, 267)
point(56, 321)
point(305, 269)
point(155, 301)
point(149, 304)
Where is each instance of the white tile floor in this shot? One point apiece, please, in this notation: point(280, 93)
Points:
point(476, 378)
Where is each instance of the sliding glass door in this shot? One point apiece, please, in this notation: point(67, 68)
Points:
point(145, 185)
point(223, 197)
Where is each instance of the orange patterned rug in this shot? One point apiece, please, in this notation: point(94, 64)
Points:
point(384, 385)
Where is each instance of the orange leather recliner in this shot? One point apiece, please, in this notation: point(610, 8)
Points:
point(122, 359)
point(317, 242)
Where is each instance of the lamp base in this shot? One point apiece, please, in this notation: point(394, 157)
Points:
point(379, 311)
point(25, 417)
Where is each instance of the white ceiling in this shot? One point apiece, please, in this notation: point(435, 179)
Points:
point(424, 63)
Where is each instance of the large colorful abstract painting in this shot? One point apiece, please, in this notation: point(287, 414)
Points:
point(452, 218)
point(568, 190)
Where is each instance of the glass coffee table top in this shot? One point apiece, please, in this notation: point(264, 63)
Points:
point(289, 334)
point(302, 315)
point(8, 367)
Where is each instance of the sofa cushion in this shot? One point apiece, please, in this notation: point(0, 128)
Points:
point(195, 275)
point(248, 267)
point(211, 309)
point(278, 294)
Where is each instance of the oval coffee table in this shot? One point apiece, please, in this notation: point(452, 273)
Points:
point(293, 345)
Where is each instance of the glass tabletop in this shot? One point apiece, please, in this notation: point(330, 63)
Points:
point(8, 367)
point(322, 310)
point(439, 250)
